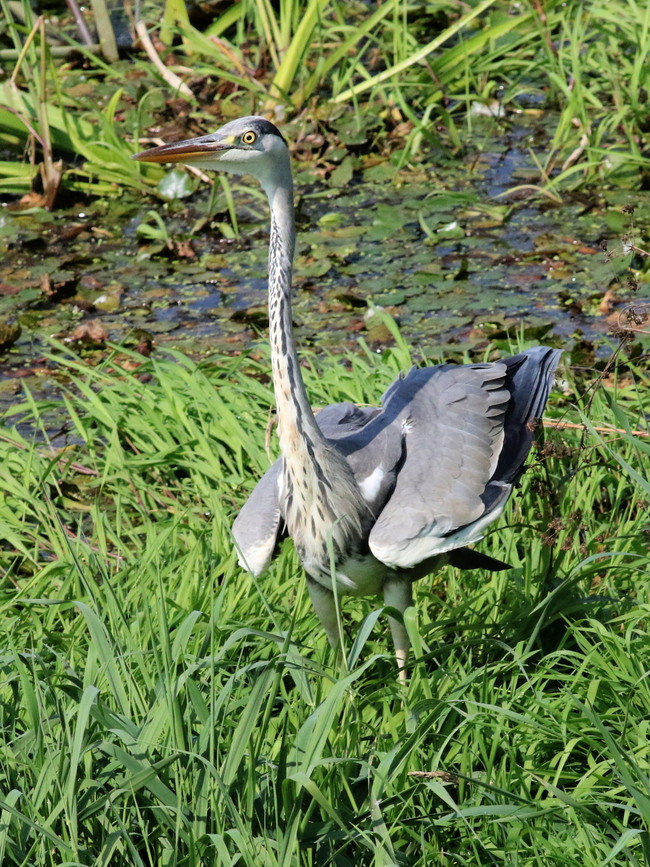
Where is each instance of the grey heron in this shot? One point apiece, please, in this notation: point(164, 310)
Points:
point(373, 497)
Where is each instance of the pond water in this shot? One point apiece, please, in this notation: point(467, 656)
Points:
point(454, 251)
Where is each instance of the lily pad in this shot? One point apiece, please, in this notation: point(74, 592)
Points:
point(342, 174)
point(177, 185)
point(451, 231)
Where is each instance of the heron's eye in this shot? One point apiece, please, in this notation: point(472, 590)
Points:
point(249, 137)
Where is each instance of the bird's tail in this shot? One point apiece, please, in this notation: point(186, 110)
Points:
point(466, 558)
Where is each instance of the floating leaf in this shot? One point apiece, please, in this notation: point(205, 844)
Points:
point(176, 185)
point(343, 173)
point(451, 231)
point(315, 267)
point(387, 221)
point(381, 172)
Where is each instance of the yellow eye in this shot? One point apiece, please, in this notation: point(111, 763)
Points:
point(249, 137)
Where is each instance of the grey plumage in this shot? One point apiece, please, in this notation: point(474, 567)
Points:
point(395, 491)
point(449, 443)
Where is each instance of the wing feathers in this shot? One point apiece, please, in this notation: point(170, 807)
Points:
point(435, 464)
point(257, 526)
point(467, 439)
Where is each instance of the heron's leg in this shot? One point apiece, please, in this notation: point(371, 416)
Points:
point(323, 601)
point(397, 594)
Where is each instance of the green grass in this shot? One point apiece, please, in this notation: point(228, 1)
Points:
point(399, 74)
point(161, 707)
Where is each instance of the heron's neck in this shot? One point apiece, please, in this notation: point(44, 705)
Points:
point(296, 425)
point(322, 502)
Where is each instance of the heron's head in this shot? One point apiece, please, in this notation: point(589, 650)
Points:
point(248, 145)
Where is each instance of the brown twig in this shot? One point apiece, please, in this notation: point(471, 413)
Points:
point(170, 77)
point(80, 21)
point(563, 425)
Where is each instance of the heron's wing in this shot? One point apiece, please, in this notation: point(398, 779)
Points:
point(339, 420)
point(257, 527)
point(466, 434)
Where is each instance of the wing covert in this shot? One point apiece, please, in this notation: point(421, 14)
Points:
point(452, 421)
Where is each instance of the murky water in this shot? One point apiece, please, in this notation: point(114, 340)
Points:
point(454, 260)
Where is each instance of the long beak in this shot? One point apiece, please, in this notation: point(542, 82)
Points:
point(186, 151)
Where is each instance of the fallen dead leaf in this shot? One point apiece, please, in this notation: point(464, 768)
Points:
point(91, 332)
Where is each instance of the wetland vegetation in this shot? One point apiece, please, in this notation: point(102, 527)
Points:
point(472, 178)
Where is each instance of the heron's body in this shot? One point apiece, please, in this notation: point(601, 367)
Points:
point(373, 498)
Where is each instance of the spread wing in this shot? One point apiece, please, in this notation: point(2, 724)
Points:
point(466, 433)
point(435, 464)
point(257, 528)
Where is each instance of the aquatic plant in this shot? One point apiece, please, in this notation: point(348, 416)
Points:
point(404, 76)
